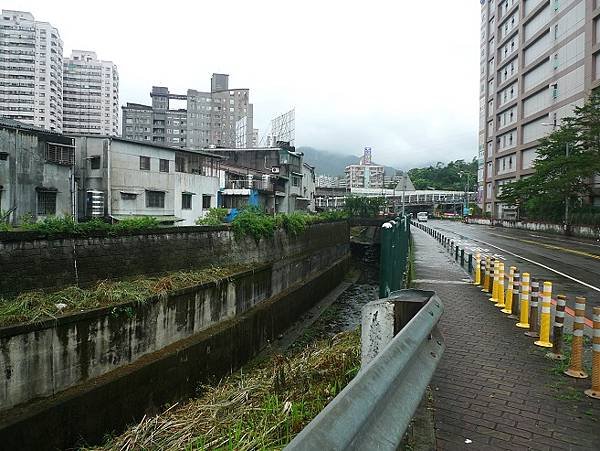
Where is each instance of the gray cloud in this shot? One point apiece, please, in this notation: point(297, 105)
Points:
point(401, 77)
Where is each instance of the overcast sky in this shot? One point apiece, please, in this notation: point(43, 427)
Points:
point(398, 76)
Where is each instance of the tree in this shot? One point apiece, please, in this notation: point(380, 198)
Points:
point(364, 207)
point(566, 163)
point(445, 177)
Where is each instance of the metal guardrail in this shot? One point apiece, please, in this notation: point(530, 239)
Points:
point(401, 350)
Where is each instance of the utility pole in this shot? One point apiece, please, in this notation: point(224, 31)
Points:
point(567, 229)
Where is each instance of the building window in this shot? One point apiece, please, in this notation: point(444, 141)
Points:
point(205, 201)
point(186, 201)
point(46, 203)
point(295, 181)
point(145, 163)
point(95, 162)
point(164, 165)
point(3, 156)
point(59, 154)
point(155, 199)
point(128, 196)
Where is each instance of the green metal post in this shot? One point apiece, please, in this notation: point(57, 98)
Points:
point(385, 261)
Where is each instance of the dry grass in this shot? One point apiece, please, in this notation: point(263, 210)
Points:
point(37, 305)
point(262, 407)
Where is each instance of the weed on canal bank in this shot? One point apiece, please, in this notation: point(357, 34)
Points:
point(261, 407)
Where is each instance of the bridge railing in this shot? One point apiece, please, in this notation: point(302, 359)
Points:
point(401, 348)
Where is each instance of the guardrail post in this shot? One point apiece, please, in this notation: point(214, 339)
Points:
point(456, 253)
point(462, 258)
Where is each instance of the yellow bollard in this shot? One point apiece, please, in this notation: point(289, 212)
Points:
point(516, 295)
point(545, 318)
point(482, 272)
point(500, 290)
point(557, 334)
point(486, 282)
point(594, 392)
point(477, 280)
point(494, 276)
point(576, 366)
point(508, 300)
point(524, 306)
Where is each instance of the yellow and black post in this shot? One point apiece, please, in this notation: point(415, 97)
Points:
point(524, 302)
point(534, 310)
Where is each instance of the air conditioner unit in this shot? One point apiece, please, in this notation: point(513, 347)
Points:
point(275, 169)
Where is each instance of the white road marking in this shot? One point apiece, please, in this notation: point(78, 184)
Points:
point(541, 265)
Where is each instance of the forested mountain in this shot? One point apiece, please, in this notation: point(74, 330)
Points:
point(445, 176)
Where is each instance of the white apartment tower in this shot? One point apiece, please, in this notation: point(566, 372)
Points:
point(538, 60)
point(31, 71)
point(91, 95)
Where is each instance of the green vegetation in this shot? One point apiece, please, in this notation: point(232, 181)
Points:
point(446, 177)
point(215, 216)
point(254, 222)
point(37, 305)
point(261, 407)
point(55, 225)
point(364, 207)
point(567, 161)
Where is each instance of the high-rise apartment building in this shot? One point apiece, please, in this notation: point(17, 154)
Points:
point(31, 71)
point(539, 59)
point(90, 95)
point(365, 174)
point(209, 119)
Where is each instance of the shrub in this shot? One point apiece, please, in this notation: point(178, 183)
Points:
point(215, 216)
point(134, 224)
point(54, 225)
point(295, 223)
point(254, 223)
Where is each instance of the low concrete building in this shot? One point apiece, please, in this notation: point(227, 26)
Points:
point(121, 179)
point(282, 174)
point(36, 173)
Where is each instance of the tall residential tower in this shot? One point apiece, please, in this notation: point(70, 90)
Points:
point(91, 95)
point(539, 59)
point(31, 71)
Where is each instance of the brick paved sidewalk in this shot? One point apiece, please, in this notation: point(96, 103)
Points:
point(494, 389)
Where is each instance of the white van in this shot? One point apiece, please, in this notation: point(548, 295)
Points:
point(422, 216)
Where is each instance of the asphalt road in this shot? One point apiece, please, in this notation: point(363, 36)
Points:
point(571, 264)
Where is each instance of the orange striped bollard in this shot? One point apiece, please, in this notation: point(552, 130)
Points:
point(524, 302)
point(557, 335)
point(534, 310)
point(576, 366)
point(500, 290)
point(546, 317)
point(594, 392)
point(495, 272)
point(508, 300)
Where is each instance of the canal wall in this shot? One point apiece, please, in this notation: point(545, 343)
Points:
point(30, 260)
point(81, 375)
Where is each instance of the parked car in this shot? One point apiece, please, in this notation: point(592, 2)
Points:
point(422, 216)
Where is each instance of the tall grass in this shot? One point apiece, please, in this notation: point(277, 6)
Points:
point(37, 305)
point(261, 407)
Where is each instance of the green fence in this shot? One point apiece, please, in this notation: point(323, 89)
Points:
point(393, 262)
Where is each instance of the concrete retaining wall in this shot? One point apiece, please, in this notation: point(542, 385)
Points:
point(39, 360)
point(83, 414)
point(580, 231)
point(30, 261)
